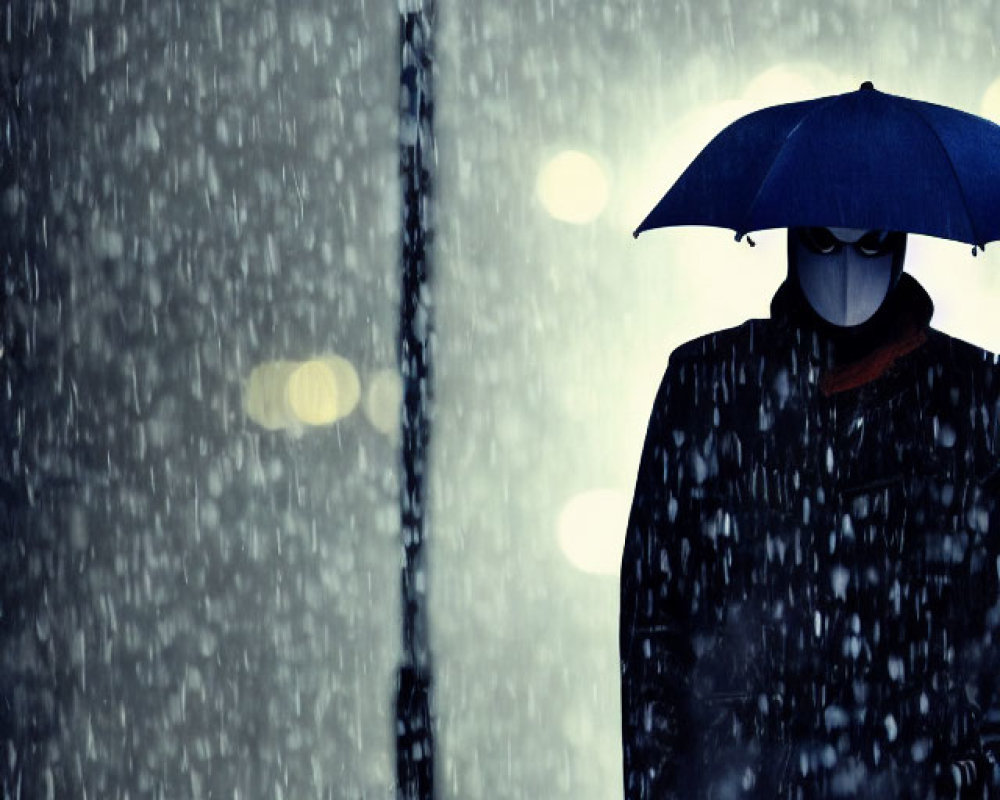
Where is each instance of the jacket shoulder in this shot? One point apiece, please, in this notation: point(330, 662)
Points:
point(724, 343)
point(960, 353)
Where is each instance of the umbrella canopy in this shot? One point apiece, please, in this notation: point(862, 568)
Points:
point(864, 159)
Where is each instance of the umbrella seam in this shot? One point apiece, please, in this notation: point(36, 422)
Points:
point(951, 165)
point(746, 218)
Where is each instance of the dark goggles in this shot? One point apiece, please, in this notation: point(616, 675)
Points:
point(872, 245)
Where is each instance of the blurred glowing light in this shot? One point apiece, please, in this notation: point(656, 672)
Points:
point(573, 187)
point(591, 530)
point(345, 378)
point(963, 307)
point(789, 83)
point(284, 395)
point(312, 393)
point(989, 107)
point(382, 401)
point(265, 397)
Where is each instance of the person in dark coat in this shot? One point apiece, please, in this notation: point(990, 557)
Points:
point(809, 584)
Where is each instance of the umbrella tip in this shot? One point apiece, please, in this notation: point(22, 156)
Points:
point(866, 85)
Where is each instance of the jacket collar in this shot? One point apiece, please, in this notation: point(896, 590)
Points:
point(860, 354)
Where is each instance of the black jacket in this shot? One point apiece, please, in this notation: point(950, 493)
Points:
point(809, 587)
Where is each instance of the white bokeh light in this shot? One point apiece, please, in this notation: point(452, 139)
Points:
point(382, 400)
point(795, 81)
point(963, 287)
point(591, 530)
point(573, 187)
point(989, 106)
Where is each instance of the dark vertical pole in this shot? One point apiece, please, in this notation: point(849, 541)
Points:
point(414, 732)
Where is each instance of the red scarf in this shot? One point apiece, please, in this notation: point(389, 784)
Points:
point(858, 373)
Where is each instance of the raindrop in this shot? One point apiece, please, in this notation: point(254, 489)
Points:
point(945, 434)
point(891, 728)
point(835, 717)
point(839, 578)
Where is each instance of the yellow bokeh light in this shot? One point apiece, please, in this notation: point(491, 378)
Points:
point(346, 379)
point(382, 401)
point(265, 396)
point(591, 530)
point(312, 393)
point(284, 395)
point(573, 187)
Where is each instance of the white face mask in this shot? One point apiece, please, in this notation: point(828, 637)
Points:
point(844, 273)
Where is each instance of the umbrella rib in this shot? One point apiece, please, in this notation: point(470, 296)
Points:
point(951, 165)
point(777, 155)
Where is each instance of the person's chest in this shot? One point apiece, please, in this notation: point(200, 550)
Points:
point(848, 567)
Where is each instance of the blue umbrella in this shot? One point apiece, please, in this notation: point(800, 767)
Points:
point(864, 159)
